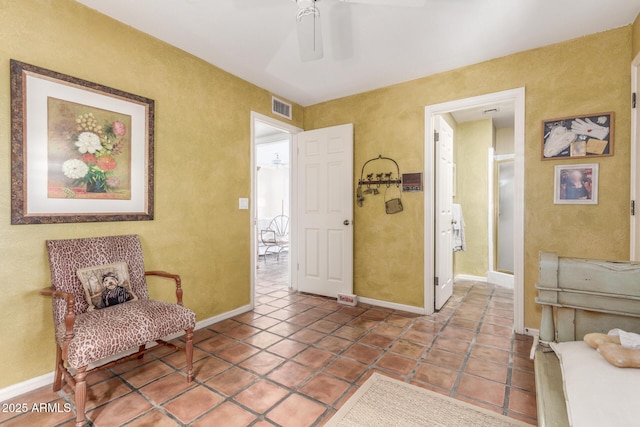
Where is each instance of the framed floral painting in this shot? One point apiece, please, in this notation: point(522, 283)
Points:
point(80, 151)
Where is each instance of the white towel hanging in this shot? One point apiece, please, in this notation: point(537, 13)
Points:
point(457, 228)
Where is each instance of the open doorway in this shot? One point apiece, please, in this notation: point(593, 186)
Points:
point(273, 204)
point(484, 153)
point(488, 137)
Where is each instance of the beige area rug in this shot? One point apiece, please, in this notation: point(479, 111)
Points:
point(384, 401)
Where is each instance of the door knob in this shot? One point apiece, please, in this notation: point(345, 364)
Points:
point(346, 222)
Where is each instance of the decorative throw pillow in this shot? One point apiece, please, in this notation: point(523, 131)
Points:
point(106, 285)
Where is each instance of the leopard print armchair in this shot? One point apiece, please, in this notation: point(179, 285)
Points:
point(85, 336)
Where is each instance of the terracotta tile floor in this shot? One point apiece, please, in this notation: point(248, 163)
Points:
point(296, 359)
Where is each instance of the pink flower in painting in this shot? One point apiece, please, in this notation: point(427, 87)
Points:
point(90, 159)
point(119, 128)
point(113, 181)
point(107, 163)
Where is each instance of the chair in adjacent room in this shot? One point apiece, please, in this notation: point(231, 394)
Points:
point(101, 308)
point(276, 237)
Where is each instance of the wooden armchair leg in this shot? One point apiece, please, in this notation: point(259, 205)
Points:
point(141, 349)
point(81, 396)
point(57, 379)
point(188, 349)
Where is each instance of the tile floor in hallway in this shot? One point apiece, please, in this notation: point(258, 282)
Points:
point(296, 359)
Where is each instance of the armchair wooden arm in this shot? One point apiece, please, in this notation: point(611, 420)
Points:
point(175, 277)
point(69, 317)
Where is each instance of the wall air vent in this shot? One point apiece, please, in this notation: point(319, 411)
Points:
point(281, 108)
point(490, 111)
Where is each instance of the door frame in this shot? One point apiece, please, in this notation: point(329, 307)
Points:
point(517, 96)
point(293, 201)
point(635, 161)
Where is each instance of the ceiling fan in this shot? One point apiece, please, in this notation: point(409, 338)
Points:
point(310, 30)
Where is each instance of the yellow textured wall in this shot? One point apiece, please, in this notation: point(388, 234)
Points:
point(202, 166)
point(471, 145)
point(505, 143)
point(560, 80)
point(636, 37)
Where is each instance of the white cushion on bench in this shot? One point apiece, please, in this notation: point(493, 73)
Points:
point(597, 393)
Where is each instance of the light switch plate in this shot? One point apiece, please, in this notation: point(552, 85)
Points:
point(243, 203)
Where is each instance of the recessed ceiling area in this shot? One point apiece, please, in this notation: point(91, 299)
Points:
point(365, 46)
point(503, 114)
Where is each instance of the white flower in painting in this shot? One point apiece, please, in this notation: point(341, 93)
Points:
point(88, 142)
point(74, 169)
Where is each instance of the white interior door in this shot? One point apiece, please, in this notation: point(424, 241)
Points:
point(444, 200)
point(635, 161)
point(325, 216)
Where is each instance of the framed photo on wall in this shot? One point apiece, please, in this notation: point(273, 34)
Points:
point(576, 184)
point(80, 151)
point(580, 136)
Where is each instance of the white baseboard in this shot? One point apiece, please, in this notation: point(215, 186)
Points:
point(532, 332)
point(501, 279)
point(470, 278)
point(392, 305)
point(25, 386)
point(224, 316)
point(14, 390)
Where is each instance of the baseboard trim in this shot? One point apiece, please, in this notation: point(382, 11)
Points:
point(224, 316)
point(26, 386)
point(503, 280)
point(392, 305)
point(470, 277)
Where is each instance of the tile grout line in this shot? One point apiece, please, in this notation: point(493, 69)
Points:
point(507, 394)
point(454, 388)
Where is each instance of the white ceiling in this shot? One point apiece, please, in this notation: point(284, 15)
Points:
point(365, 46)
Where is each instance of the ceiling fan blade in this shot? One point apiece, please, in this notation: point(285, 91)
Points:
point(395, 3)
point(341, 33)
point(309, 32)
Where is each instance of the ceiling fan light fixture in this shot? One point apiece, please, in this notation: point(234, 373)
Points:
point(309, 30)
point(277, 161)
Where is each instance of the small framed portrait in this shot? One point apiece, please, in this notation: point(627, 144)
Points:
point(576, 184)
point(579, 136)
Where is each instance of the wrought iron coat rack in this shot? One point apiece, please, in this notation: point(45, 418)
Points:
point(386, 179)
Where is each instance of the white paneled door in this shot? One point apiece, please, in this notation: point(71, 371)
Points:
point(444, 200)
point(635, 162)
point(325, 211)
